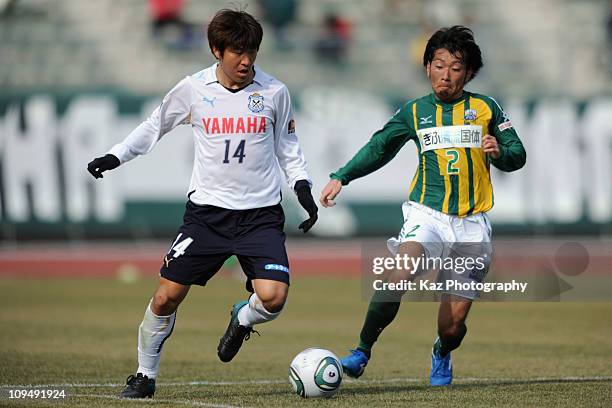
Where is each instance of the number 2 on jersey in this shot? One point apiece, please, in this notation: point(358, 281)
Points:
point(239, 153)
point(454, 158)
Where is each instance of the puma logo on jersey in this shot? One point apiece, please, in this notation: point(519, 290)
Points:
point(249, 124)
point(426, 120)
point(211, 101)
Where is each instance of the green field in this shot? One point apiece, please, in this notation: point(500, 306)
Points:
point(81, 336)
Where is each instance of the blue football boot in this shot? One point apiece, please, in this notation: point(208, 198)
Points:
point(441, 369)
point(355, 363)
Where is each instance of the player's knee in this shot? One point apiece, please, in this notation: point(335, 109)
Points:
point(164, 304)
point(272, 296)
point(274, 303)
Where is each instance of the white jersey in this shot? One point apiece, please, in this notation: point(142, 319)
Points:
point(241, 138)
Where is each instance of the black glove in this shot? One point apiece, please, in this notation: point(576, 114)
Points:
point(302, 189)
point(101, 164)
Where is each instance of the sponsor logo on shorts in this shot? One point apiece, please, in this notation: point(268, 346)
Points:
point(276, 267)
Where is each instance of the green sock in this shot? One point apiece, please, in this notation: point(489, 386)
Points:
point(380, 314)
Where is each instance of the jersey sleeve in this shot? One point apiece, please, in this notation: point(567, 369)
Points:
point(512, 155)
point(382, 147)
point(174, 110)
point(287, 148)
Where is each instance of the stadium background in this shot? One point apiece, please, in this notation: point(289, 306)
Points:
point(76, 76)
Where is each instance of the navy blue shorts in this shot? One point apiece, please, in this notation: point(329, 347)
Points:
point(210, 235)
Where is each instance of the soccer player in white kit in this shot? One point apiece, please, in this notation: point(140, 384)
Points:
point(244, 132)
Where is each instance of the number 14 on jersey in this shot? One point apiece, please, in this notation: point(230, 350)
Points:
point(238, 153)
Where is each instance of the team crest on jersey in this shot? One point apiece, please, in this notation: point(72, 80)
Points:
point(470, 114)
point(256, 102)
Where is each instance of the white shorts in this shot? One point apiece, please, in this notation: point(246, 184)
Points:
point(444, 236)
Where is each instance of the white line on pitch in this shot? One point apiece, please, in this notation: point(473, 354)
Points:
point(178, 383)
point(157, 400)
point(486, 380)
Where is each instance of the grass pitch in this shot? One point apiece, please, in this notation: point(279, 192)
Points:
point(80, 335)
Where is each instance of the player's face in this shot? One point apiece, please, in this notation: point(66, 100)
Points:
point(447, 74)
point(235, 67)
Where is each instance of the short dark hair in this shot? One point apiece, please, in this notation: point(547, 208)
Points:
point(234, 29)
point(456, 39)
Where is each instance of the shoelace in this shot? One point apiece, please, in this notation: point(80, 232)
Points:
point(248, 335)
point(132, 379)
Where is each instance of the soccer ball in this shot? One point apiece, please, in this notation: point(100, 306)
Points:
point(315, 372)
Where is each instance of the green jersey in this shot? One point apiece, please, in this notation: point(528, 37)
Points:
point(453, 175)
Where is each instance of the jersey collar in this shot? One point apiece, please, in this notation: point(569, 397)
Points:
point(210, 76)
point(435, 100)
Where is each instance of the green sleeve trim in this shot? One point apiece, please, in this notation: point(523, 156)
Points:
point(338, 177)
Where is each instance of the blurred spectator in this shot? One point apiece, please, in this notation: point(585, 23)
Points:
point(334, 42)
point(442, 13)
point(417, 45)
point(166, 14)
point(279, 14)
point(23, 8)
point(435, 14)
point(7, 7)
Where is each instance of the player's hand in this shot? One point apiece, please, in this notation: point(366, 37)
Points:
point(490, 146)
point(302, 189)
point(101, 164)
point(331, 190)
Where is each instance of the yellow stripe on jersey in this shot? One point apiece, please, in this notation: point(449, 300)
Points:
point(424, 158)
point(424, 178)
point(416, 173)
point(442, 164)
point(483, 190)
point(464, 179)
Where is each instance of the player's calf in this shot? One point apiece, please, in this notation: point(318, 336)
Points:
point(450, 337)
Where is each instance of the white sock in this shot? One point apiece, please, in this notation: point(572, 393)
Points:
point(153, 332)
point(254, 313)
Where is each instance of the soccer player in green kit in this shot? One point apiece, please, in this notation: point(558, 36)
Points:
point(458, 135)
